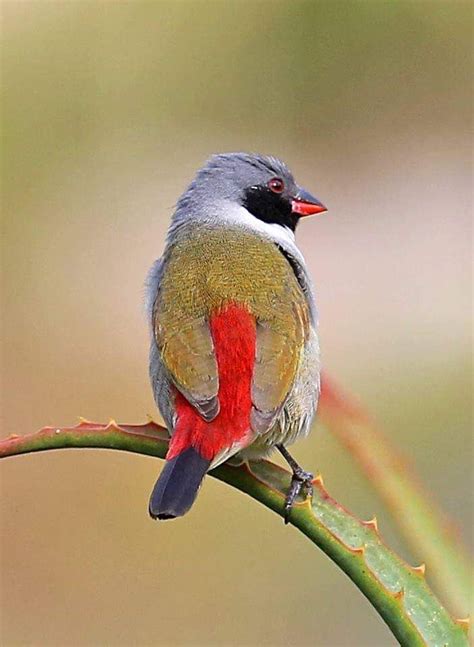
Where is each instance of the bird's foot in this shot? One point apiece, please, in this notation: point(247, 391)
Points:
point(300, 480)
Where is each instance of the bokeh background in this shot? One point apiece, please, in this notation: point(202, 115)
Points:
point(108, 109)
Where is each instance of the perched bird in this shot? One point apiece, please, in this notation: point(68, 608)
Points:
point(234, 356)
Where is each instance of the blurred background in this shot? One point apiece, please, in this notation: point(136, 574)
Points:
point(108, 109)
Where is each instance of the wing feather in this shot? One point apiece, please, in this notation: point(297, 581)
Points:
point(280, 342)
point(187, 350)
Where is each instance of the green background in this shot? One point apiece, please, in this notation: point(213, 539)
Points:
point(108, 109)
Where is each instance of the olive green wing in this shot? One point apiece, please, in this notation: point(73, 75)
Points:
point(280, 343)
point(187, 351)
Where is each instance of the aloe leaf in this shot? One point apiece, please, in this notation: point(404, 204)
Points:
point(425, 527)
point(398, 592)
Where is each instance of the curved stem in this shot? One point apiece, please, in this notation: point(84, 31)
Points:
point(398, 592)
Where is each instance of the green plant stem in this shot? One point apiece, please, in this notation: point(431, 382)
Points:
point(398, 592)
point(424, 526)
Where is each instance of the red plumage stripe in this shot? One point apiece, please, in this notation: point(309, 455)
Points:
point(234, 335)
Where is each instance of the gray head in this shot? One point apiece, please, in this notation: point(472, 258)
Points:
point(261, 187)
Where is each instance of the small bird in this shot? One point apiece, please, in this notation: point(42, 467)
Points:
point(234, 354)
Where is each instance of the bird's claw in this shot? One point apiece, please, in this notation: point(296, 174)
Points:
point(300, 480)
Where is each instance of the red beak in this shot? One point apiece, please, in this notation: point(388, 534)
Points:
point(304, 204)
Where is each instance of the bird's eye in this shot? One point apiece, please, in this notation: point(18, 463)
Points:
point(276, 185)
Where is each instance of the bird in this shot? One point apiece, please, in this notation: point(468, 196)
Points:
point(234, 354)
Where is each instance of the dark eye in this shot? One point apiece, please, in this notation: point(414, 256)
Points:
point(276, 185)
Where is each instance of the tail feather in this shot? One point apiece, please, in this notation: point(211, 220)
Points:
point(178, 485)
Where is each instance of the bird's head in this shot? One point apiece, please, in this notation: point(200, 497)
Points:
point(256, 190)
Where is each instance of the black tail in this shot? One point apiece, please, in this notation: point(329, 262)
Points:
point(178, 485)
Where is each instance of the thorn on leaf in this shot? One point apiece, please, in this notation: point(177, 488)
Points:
point(318, 480)
point(400, 594)
point(464, 623)
point(372, 523)
point(421, 569)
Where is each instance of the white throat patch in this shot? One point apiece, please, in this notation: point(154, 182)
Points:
point(239, 215)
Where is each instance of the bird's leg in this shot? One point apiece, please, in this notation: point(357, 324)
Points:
point(300, 479)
